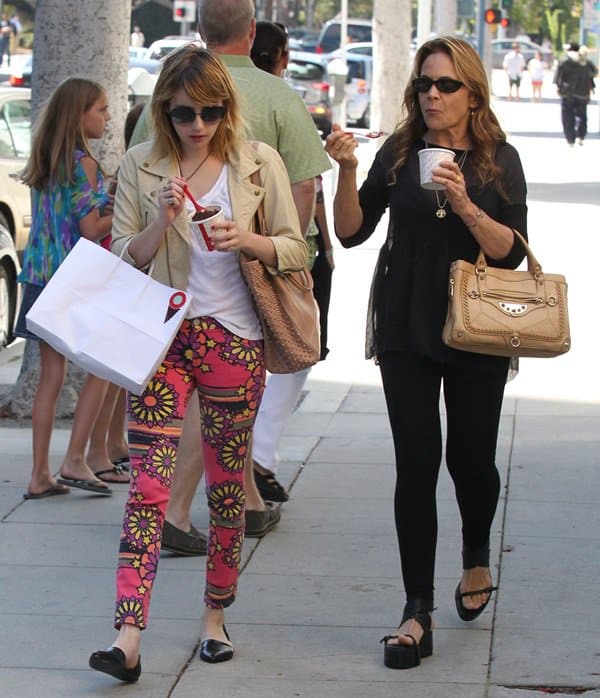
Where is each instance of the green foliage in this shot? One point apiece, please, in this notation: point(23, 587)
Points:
point(556, 19)
point(327, 9)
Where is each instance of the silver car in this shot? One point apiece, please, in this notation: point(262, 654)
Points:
point(15, 145)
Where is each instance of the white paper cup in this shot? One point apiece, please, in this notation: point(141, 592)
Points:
point(201, 227)
point(429, 158)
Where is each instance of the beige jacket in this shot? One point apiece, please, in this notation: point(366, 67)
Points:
point(136, 205)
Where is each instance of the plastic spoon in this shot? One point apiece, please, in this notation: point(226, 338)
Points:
point(199, 209)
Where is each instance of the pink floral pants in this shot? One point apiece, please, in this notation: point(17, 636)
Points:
point(228, 373)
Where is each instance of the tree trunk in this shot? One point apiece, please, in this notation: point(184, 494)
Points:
point(391, 30)
point(90, 39)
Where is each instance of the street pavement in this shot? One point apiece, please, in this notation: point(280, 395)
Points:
point(318, 593)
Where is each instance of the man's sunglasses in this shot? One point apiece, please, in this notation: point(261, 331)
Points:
point(186, 115)
point(446, 85)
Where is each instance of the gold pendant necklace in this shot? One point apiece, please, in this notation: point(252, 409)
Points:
point(441, 205)
point(187, 179)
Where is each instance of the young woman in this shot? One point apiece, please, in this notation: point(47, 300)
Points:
point(218, 351)
point(68, 195)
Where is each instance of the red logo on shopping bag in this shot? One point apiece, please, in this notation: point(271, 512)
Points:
point(176, 302)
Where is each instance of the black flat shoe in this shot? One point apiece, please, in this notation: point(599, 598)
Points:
point(112, 661)
point(213, 651)
point(471, 613)
point(409, 656)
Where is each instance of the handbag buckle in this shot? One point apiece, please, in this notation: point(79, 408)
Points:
point(552, 301)
point(515, 342)
point(513, 308)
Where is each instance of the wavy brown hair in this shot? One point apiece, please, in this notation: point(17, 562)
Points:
point(59, 132)
point(206, 80)
point(484, 130)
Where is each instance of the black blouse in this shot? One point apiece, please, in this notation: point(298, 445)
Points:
point(409, 295)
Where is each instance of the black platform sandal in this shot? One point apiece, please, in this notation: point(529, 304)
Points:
point(473, 558)
point(471, 613)
point(409, 656)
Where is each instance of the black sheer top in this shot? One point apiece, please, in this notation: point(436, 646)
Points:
point(409, 294)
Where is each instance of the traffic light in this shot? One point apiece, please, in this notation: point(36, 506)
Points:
point(184, 11)
point(507, 4)
point(493, 16)
point(505, 22)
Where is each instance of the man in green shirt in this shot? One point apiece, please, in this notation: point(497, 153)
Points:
point(276, 115)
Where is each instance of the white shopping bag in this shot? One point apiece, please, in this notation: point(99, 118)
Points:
point(108, 317)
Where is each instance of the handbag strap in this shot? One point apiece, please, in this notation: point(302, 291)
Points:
point(533, 266)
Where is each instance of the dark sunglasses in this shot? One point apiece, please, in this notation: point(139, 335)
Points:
point(446, 85)
point(186, 115)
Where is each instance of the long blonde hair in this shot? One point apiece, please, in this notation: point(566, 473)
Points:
point(484, 129)
point(58, 132)
point(206, 80)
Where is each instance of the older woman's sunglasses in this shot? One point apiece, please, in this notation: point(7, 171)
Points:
point(446, 85)
point(187, 115)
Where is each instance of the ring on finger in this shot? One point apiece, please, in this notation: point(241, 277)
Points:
point(171, 201)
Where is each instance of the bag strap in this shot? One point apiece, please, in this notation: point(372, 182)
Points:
point(533, 266)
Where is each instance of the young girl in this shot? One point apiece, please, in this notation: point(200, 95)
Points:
point(67, 195)
point(197, 151)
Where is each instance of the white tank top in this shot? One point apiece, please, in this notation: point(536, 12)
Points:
point(215, 282)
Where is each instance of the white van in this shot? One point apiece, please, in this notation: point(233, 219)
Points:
point(329, 38)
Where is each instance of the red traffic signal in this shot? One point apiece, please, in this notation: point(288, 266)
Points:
point(505, 22)
point(493, 16)
point(180, 12)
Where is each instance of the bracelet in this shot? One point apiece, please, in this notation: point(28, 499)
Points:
point(478, 215)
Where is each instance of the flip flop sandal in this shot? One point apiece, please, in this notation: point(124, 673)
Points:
point(87, 485)
point(122, 463)
point(115, 470)
point(50, 492)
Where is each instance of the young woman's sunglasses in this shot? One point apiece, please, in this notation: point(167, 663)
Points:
point(186, 115)
point(446, 85)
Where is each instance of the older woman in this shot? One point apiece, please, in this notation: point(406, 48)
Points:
point(446, 105)
point(218, 351)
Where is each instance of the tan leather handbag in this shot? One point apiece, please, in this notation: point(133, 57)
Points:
point(505, 312)
point(287, 310)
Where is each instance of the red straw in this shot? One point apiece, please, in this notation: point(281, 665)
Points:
point(199, 209)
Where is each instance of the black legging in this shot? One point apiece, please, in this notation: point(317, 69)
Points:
point(473, 401)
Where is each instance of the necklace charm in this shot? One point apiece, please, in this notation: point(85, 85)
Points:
point(441, 212)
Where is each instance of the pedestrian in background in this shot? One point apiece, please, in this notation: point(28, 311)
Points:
point(574, 81)
point(536, 68)
point(68, 196)
point(137, 39)
point(447, 105)
point(270, 53)
point(218, 351)
point(514, 65)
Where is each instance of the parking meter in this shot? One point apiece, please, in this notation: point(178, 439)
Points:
point(337, 73)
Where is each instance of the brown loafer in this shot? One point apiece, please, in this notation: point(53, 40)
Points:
point(259, 523)
point(182, 542)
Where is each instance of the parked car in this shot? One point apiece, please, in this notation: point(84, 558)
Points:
point(500, 47)
point(138, 58)
point(329, 38)
point(360, 48)
point(15, 145)
point(9, 288)
point(307, 74)
point(162, 47)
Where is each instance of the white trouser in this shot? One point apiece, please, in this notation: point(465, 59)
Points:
point(278, 401)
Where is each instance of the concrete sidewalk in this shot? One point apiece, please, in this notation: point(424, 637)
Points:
point(318, 593)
